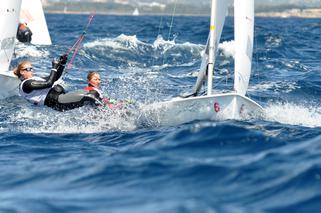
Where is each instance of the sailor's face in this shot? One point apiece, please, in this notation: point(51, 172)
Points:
point(26, 71)
point(95, 81)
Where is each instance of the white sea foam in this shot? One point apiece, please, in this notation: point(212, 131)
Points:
point(125, 41)
point(227, 48)
point(82, 120)
point(278, 86)
point(120, 42)
point(106, 42)
point(3, 130)
point(30, 50)
point(273, 41)
point(294, 114)
point(159, 42)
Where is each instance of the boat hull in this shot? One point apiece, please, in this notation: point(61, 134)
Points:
point(9, 85)
point(213, 107)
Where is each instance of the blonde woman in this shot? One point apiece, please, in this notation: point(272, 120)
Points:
point(46, 91)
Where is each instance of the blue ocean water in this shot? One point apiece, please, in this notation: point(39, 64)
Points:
point(86, 160)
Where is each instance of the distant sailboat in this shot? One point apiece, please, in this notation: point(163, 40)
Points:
point(136, 12)
point(9, 19)
point(231, 105)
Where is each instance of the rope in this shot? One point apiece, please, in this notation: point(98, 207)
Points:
point(76, 46)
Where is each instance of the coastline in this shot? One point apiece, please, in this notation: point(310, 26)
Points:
point(299, 13)
point(305, 13)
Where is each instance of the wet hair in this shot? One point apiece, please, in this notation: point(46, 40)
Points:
point(20, 66)
point(91, 74)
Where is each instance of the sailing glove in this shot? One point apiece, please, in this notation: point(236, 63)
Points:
point(63, 59)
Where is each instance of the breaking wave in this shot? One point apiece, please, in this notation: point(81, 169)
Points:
point(294, 114)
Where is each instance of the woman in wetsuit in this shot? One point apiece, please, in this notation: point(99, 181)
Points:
point(47, 91)
point(93, 87)
point(24, 33)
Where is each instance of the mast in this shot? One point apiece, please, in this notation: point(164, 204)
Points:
point(218, 13)
point(211, 50)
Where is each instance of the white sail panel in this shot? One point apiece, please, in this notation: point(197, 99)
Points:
point(219, 11)
point(202, 73)
point(9, 16)
point(243, 32)
point(32, 14)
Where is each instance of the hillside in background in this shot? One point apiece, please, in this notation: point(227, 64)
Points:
point(186, 7)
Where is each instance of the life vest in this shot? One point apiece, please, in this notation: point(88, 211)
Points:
point(111, 104)
point(36, 97)
point(91, 88)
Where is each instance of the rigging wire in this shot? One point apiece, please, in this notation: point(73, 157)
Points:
point(160, 25)
point(172, 21)
point(170, 27)
point(157, 37)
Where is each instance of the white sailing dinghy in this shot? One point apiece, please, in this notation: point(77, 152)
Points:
point(9, 17)
point(32, 14)
point(232, 105)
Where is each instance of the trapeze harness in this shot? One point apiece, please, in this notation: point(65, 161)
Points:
point(94, 91)
point(102, 101)
point(48, 92)
point(24, 33)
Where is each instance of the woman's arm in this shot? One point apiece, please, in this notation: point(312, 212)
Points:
point(60, 66)
point(30, 85)
point(56, 72)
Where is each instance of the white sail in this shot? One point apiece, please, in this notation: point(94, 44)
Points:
point(136, 12)
point(243, 32)
point(219, 11)
point(32, 13)
point(9, 16)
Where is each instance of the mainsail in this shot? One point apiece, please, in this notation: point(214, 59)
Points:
point(9, 13)
point(243, 32)
point(218, 13)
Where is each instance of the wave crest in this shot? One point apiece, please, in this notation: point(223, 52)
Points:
point(294, 114)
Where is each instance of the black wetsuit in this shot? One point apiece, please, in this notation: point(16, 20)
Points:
point(24, 34)
point(56, 97)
